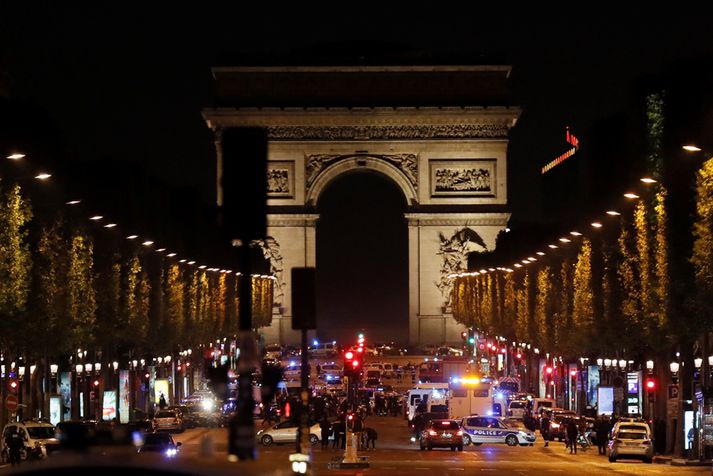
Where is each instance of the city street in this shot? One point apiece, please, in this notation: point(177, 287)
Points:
point(395, 456)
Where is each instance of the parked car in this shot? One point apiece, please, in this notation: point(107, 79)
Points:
point(517, 408)
point(169, 420)
point(442, 434)
point(631, 444)
point(286, 432)
point(39, 438)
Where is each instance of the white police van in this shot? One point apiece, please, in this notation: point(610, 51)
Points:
point(486, 429)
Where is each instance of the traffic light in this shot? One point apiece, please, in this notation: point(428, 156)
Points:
point(12, 385)
point(352, 364)
point(96, 383)
point(464, 335)
point(650, 384)
point(549, 370)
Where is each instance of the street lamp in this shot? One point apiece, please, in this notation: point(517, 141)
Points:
point(650, 365)
point(698, 362)
point(600, 362)
point(115, 364)
point(607, 362)
point(79, 368)
point(54, 368)
point(98, 367)
point(674, 366)
point(622, 364)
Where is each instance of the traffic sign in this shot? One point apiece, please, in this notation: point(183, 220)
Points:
point(672, 392)
point(11, 403)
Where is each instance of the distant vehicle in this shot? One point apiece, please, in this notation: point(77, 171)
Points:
point(449, 352)
point(430, 349)
point(327, 349)
point(541, 404)
point(630, 444)
point(273, 352)
point(331, 369)
point(517, 408)
point(286, 432)
point(482, 429)
point(470, 396)
point(421, 393)
point(442, 434)
point(632, 424)
point(169, 420)
point(159, 442)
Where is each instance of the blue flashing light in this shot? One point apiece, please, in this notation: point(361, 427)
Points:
point(315, 342)
point(490, 413)
point(329, 377)
point(292, 363)
point(500, 396)
point(455, 379)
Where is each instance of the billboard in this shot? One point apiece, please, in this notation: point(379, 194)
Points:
point(65, 391)
point(55, 409)
point(124, 396)
point(109, 405)
point(161, 388)
point(605, 398)
point(592, 384)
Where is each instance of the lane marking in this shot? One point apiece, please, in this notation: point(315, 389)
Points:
point(456, 469)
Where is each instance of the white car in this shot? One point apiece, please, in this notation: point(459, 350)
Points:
point(39, 438)
point(286, 432)
point(634, 443)
point(331, 370)
point(273, 352)
point(517, 408)
point(479, 430)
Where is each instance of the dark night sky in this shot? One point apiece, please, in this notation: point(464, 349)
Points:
point(128, 82)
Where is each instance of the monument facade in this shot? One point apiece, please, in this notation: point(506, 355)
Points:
point(439, 133)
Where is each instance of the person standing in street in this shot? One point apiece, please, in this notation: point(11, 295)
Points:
point(545, 428)
point(326, 429)
point(572, 433)
point(14, 445)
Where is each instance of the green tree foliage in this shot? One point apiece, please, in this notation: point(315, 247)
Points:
point(582, 303)
point(702, 258)
point(15, 263)
point(82, 297)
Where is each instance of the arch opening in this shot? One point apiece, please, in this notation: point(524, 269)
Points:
point(362, 259)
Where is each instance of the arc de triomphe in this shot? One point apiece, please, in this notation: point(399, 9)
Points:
point(439, 133)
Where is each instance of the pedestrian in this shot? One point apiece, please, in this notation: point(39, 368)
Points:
point(572, 433)
point(162, 402)
point(338, 430)
point(15, 444)
point(326, 429)
point(545, 428)
point(319, 370)
point(357, 429)
point(371, 436)
point(603, 435)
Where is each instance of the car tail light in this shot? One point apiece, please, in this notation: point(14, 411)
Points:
point(459, 433)
point(432, 433)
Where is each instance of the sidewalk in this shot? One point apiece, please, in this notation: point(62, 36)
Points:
point(673, 461)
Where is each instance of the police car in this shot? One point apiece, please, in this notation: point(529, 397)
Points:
point(481, 429)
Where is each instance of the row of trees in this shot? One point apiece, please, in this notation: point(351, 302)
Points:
point(618, 290)
point(67, 285)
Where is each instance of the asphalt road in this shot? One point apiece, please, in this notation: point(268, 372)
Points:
point(394, 456)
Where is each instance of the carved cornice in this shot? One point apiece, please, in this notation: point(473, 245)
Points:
point(370, 123)
point(297, 219)
point(402, 132)
point(457, 219)
point(406, 163)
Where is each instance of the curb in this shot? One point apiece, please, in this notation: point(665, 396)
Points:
point(690, 462)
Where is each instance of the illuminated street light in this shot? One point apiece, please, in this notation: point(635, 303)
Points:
point(147, 243)
point(132, 237)
point(613, 213)
point(554, 247)
point(540, 253)
point(16, 156)
point(181, 260)
point(110, 225)
point(698, 362)
point(518, 265)
point(687, 147)
point(191, 262)
point(160, 250)
point(631, 195)
point(96, 217)
point(171, 255)
point(525, 261)
point(565, 240)
point(649, 365)
point(531, 258)
point(575, 233)
point(674, 366)
point(648, 180)
point(74, 202)
point(596, 224)
point(202, 266)
point(491, 269)
point(483, 271)
point(43, 176)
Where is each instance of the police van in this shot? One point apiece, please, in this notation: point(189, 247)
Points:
point(486, 429)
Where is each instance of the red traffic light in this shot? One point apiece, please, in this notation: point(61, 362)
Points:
point(650, 385)
point(96, 383)
point(573, 373)
point(349, 355)
point(549, 370)
point(147, 375)
point(13, 384)
point(519, 355)
point(355, 363)
point(350, 417)
point(360, 350)
point(464, 335)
